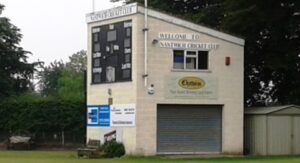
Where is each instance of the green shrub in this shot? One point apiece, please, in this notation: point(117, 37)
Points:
point(114, 149)
point(38, 116)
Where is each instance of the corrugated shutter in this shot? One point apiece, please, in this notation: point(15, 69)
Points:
point(189, 128)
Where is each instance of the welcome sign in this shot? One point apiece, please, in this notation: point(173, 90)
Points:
point(191, 87)
point(188, 45)
point(179, 41)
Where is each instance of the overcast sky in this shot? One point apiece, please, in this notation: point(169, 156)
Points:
point(52, 29)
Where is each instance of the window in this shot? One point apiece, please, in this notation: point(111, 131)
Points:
point(190, 60)
point(112, 54)
point(202, 60)
point(178, 62)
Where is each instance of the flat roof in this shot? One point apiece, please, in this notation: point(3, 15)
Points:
point(134, 8)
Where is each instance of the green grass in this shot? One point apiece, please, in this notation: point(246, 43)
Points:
point(70, 157)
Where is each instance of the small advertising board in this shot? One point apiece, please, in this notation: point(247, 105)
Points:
point(120, 115)
point(98, 115)
point(191, 87)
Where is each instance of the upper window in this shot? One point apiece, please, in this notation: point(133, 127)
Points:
point(190, 60)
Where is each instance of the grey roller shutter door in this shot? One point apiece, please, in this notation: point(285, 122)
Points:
point(189, 128)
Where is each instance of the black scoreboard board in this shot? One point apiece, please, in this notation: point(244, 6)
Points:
point(112, 52)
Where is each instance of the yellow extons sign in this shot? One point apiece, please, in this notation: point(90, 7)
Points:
point(191, 83)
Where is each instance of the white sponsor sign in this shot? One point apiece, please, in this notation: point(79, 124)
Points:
point(122, 115)
point(112, 13)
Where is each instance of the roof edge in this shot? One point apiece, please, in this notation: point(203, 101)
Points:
point(193, 26)
point(257, 111)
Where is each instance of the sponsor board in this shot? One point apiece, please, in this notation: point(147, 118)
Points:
point(191, 87)
point(98, 115)
point(120, 115)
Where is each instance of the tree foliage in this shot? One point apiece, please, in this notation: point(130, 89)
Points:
point(272, 61)
point(15, 71)
point(41, 115)
point(71, 85)
point(49, 76)
point(64, 80)
point(272, 33)
point(77, 62)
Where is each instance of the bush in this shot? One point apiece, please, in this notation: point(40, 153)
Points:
point(114, 149)
point(39, 116)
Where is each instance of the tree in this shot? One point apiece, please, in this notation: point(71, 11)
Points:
point(77, 61)
point(71, 81)
point(272, 62)
point(49, 76)
point(272, 33)
point(15, 71)
point(205, 12)
point(71, 85)
point(64, 80)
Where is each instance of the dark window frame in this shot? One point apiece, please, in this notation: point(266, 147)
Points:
point(197, 56)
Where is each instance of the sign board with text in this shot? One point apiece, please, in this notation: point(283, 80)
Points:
point(92, 116)
point(112, 13)
point(191, 87)
point(184, 41)
point(121, 115)
point(98, 115)
point(104, 115)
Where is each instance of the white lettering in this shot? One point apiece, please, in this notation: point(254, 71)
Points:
point(112, 13)
point(178, 36)
point(97, 70)
point(188, 45)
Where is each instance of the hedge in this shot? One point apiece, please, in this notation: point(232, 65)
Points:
point(33, 117)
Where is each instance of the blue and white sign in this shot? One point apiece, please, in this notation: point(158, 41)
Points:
point(104, 115)
point(121, 115)
point(98, 116)
point(92, 116)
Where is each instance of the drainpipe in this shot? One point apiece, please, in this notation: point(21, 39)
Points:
point(145, 76)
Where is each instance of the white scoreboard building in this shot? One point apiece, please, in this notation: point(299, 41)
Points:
point(163, 85)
